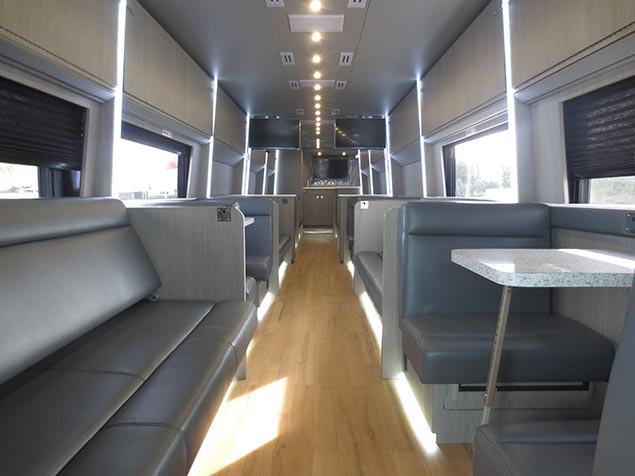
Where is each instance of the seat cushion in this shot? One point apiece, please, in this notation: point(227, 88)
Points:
point(559, 448)
point(284, 243)
point(370, 266)
point(250, 289)
point(258, 267)
point(447, 349)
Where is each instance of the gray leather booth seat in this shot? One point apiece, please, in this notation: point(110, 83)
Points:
point(95, 379)
point(570, 448)
point(370, 266)
point(449, 314)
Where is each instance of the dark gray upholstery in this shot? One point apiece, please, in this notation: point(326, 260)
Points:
point(449, 313)
point(284, 243)
point(570, 448)
point(370, 266)
point(250, 289)
point(123, 385)
point(258, 266)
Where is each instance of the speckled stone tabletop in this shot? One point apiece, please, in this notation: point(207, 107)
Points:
point(549, 268)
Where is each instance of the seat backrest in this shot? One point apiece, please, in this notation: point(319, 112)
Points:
point(259, 240)
point(430, 230)
point(614, 451)
point(66, 266)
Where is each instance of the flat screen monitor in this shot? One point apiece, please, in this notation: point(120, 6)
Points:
point(326, 169)
point(356, 133)
point(274, 133)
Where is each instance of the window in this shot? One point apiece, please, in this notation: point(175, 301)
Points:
point(19, 181)
point(150, 166)
point(480, 166)
point(600, 145)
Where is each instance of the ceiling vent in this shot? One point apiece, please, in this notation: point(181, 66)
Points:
point(309, 83)
point(357, 3)
point(299, 112)
point(287, 59)
point(335, 112)
point(276, 3)
point(340, 84)
point(294, 84)
point(321, 23)
point(346, 59)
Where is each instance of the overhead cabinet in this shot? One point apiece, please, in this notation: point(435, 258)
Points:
point(469, 76)
point(80, 36)
point(548, 35)
point(231, 122)
point(162, 76)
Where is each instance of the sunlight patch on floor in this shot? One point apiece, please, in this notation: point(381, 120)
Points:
point(351, 268)
point(282, 271)
point(254, 421)
point(264, 307)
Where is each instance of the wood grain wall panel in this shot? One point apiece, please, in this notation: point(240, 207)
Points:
point(601, 309)
point(231, 121)
point(471, 74)
point(79, 35)
point(160, 74)
point(404, 122)
point(546, 33)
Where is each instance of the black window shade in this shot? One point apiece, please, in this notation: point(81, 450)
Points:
point(600, 133)
point(39, 129)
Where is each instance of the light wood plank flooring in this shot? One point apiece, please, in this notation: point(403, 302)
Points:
point(314, 402)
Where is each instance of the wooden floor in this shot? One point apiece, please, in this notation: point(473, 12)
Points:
point(314, 402)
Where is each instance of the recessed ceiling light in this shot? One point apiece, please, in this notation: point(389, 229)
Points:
point(344, 154)
point(318, 105)
point(317, 75)
point(317, 87)
point(317, 113)
point(315, 6)
point(317, 133)
point(316, 36)
point(316, 58)
point(319, 153)
point(318, 97)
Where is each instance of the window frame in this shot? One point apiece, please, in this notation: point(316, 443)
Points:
point(139, 135)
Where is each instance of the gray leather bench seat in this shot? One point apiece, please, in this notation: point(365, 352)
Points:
point(586, 448)
point(250, 289)
point(446, 349)
point(94, 379)
point(284, 243)
point(449, 314)
point(370, 266)
point(258, 266)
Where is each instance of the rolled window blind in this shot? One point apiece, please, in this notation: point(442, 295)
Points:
point(39, 129)
point(600, 132)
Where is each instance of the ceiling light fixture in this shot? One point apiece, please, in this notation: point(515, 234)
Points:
point(318, 97)
point(315, 6)
point(319, 153)
point(316, 36)
point(317, 113)
point(317, 75)
point(344, 154)
point(316, 58)
point(318, 105)
point(317, 87)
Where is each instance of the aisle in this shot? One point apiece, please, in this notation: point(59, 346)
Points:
point(314, 402)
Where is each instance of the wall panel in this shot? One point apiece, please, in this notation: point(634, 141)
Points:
point(161, 75)
point(546, 33)
point(79, 35)
point(470, 75)
point(231, 121)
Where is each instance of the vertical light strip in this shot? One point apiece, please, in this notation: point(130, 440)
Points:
point(511, 99)
point(275, 177)
point(359, 163)
point(265, 173)
point(388, 160)
point(210, 158)
point(422, 142)
point(118, 99)
point(371, 186)
point(246, 160)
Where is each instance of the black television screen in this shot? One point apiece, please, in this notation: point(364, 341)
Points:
point(325, 169)
point(358, 133)
point(274, 133)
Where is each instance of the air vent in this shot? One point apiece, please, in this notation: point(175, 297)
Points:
point(299, 112)
point(325, 83)
point(357, 3)
point(340, 84)
point(335, 112)
point(294, 84)
point(276, 3)
point(322, 23)
point(287, 59)
point(346, 59)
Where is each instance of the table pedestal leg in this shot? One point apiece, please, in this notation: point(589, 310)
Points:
point(497, 352)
